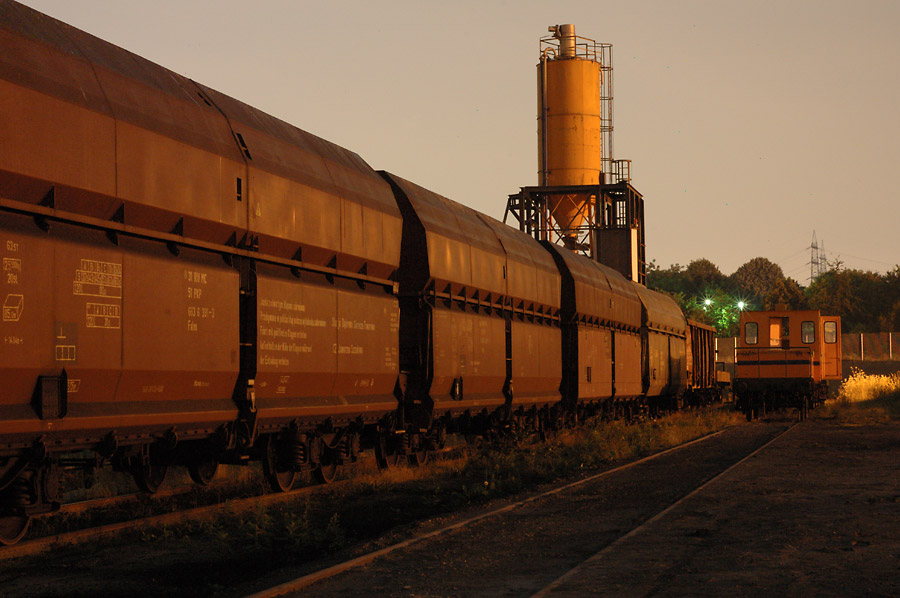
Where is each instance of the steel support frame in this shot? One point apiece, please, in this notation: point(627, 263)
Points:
point(618, 206)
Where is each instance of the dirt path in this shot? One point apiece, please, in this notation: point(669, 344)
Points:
point(817, 513)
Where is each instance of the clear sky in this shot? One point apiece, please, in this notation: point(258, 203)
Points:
point(750, 123)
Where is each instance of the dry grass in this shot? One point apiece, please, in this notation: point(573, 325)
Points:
point(322, 523)
point(865, 399)
point(861, 387)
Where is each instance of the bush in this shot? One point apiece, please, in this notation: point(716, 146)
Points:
point(863, 399)
point(861, 387)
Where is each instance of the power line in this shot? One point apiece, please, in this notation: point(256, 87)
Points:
point(866, 259)
point(796, 253)
point(798, 268)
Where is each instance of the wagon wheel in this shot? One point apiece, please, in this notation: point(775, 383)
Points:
point(752, 410)
point(475, 443)
point(542, 426)
point(149, 477)
point(386, 457)
point(418, 452)
point(804, 409)
point(12, 528)
point(149, 471)
point(328, 466)
point(515, 432)
point(203, 468)
point(280, 478)
point(440, 437)
point(418, 457)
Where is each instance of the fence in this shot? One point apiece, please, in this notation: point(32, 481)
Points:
point(870, 352)
point(863, 346)
point(871, 346)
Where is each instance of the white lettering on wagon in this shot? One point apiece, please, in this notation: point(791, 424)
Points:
point(197, 311)
point(283, 330)
point(13, 303)
point(66, 346)
point(103, 315)
point(287, 330)
point(98, 279)
point(12, 269)
point(347, 349)
point(345, 324)
point(12, 307)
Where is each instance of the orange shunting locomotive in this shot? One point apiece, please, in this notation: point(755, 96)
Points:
point(785, 360)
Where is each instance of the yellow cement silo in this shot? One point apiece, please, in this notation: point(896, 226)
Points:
point(569, 124)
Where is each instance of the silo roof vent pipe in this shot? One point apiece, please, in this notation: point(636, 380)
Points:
point(566, 36)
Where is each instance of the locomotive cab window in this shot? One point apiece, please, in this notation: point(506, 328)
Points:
point(751, 333)
point(807, 332)
point(830, 332)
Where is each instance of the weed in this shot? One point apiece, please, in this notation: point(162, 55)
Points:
point(864, 399)
point(862, 387)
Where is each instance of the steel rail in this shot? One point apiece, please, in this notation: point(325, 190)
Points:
point(201, 513)
point(311, 578)
point(90, 504)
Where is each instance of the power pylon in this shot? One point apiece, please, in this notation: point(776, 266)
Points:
point(818, 263)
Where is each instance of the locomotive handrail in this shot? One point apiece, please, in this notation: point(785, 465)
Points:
point(759, 351)
point(760, 357)
point(776, 349)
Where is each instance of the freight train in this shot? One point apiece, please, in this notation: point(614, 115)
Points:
point(188, 281)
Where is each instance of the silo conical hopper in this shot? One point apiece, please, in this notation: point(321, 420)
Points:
point(569, 126)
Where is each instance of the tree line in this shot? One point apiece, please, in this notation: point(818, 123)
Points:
point(865, 301)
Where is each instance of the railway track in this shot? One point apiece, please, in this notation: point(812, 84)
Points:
point(328, 580)
point(121, 500)
point(195, 514)
point(203, 513)
point(574, 572)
